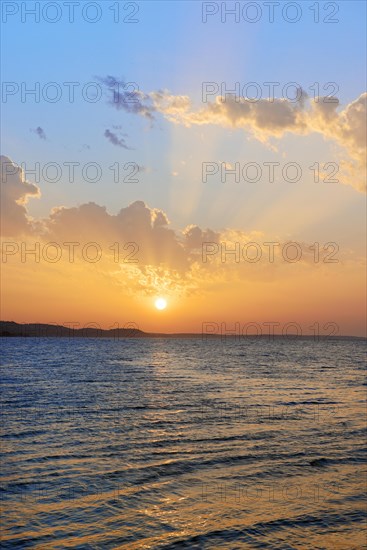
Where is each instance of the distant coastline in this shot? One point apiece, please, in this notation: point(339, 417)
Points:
point(11, 329)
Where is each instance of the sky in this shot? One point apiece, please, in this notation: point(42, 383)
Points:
point(170, 149)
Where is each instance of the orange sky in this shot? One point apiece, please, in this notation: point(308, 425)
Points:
point(227, 293)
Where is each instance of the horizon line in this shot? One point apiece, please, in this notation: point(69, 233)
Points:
point(143, 334)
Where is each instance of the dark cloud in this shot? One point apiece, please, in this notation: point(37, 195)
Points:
point(126, 96)
point(40, 132)
point(115, 140)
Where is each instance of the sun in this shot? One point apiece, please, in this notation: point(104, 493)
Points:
point(160, 303)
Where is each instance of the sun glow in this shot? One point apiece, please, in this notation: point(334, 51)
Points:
point(160, 303)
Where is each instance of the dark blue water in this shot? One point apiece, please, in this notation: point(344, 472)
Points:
point(183, 443)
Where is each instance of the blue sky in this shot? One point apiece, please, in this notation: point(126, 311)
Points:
point(170, 48)
point(173, 135)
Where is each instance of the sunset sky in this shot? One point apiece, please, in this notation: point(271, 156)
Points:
point(166, 130)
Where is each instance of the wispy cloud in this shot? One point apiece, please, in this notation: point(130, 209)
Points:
point(126, 96)
point(115, 140)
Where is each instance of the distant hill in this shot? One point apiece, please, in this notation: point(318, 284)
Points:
point(42, 330)
point(10, 329)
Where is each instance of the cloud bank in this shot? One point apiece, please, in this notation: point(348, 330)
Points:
point(166, 259)
point(263, 119)
point(267, 119)
point(15, 193)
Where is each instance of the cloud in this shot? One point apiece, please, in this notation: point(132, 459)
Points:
point(126, 96)
point(268, 119)
point(167, 260)
point(119, 142)
point(40, 132)
point(195, 237)
point(264, 119)
point(172, 106)
point(348, 129)
point(136, 223)
point(15, 192)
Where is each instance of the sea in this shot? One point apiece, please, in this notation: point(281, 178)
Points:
point(170, 443)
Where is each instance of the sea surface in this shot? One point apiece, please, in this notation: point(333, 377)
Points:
point(183, 443)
